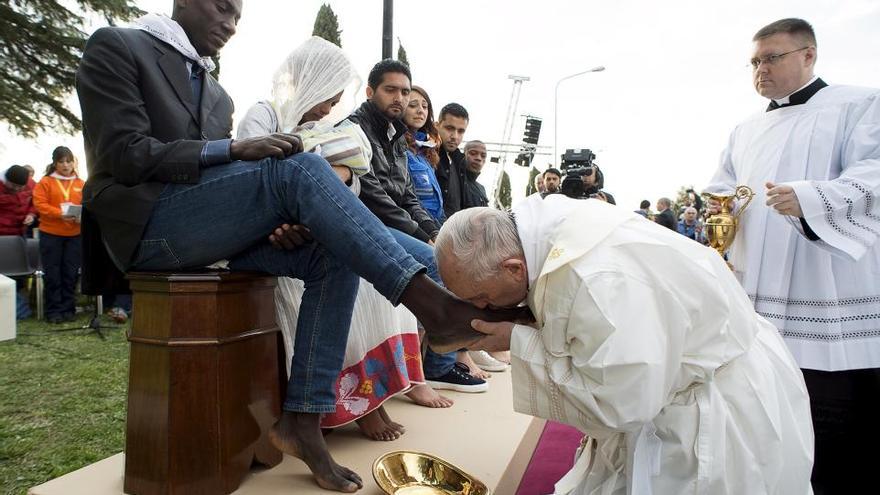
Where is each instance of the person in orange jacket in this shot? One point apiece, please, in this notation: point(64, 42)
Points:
point(56, 197)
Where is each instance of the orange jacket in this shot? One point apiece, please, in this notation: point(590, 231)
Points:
point(48, 196)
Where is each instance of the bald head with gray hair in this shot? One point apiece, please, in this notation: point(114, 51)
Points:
point(481, 237)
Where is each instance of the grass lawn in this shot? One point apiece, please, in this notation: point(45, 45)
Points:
point(62, 401)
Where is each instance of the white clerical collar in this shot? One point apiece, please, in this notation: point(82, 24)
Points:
point(784, 101)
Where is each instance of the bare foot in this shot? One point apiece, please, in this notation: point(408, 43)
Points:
point(374, 427)
point(299, 435)
point(475, 371)
point(385, 417)
point(424, 395)
point(503, 356)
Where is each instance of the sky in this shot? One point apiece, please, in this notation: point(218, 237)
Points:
point(676, 81)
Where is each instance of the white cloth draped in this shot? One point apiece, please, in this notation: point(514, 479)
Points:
point(823, 296)
point(648, 345)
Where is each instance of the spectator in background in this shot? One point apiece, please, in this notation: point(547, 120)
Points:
point(665, 216)
point(690, 226)
point(552, 179)
point(422, 156)
point(452, 124)
point(56, 195)
point(539, 183)
point(644, 208)
point(474, 192)
point(16, 208)
point(29, 232)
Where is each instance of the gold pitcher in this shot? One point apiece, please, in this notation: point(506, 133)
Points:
point(721, 227)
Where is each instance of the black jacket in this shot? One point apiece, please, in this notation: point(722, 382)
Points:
point(667, 219)
point(451, 176)
point(474, 192)
point(141, 131)
point(387, 188)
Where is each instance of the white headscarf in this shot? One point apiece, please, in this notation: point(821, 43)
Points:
point(166, 29)
point(313, 73)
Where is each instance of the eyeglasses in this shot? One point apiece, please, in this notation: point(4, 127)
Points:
point(772, 59)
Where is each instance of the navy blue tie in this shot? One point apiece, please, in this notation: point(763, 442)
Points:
point(195, 81)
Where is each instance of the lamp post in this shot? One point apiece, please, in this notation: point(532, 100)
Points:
point(599, 68)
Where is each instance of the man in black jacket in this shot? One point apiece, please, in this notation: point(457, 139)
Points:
point(665, 216)
point(452, 124)
point(474, 192)
point(387, 188)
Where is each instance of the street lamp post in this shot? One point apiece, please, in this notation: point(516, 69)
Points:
point(556, 105)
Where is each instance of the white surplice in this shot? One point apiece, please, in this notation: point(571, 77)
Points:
point(823, 296)
point(647, 344)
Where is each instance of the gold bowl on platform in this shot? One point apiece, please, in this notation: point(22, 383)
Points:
point(405, 472)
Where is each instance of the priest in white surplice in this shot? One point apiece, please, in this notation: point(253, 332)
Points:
point(643, 340)
point(807, 252)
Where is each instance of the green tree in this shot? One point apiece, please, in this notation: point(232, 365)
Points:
point(530, 187)
point(502, 197)
point(327, 25)
point(401, 53)
point(41, 43)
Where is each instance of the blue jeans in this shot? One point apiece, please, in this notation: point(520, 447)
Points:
point(229, 215)
point(61, 257)
point(434, 365)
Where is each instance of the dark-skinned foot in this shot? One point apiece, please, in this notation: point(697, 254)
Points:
point(446, 318)
point(374, 427)
point(299, 435)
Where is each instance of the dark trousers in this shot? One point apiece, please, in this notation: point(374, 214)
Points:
point(61, 258)
point(845, 407)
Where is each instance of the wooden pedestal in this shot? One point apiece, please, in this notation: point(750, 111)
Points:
point(204, 381)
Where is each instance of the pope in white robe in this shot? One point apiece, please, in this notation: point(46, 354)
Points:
point(644, 341)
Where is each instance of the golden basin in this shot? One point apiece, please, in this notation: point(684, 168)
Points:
point(406, 472)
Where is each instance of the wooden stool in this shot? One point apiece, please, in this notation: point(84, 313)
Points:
point(205, 381)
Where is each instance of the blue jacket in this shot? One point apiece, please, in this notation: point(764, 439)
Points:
point(425, 183)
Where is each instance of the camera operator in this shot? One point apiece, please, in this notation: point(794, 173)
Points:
point(583, 178)
point(552, 179)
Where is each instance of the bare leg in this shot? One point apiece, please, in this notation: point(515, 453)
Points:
point(424, 395)
point(299, 435)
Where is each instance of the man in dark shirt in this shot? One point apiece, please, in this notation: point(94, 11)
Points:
point(475, 158)
point(664, 216)
point(452, 124)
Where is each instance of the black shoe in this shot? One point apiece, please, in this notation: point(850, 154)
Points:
point(458, 379)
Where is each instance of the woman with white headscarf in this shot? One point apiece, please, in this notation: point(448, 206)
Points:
point(382, 356)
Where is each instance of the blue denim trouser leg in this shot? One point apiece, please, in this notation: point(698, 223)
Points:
point(434, 365)
point(229, 215)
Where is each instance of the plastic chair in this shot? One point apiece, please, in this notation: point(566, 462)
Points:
point(14, 260)
point(33, 252)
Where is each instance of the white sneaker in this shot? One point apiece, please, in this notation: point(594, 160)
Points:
point(487, 362)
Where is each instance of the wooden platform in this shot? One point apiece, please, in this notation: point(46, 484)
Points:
point(480, 433)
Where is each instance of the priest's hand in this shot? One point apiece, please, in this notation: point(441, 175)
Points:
point(783, 199)
point(713, 206)
point(290, 236)
point(497, 335)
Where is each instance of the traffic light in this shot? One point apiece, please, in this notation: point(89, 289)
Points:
point(533, 130)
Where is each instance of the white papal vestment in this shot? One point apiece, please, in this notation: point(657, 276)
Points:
point(647, 343)
point(823, 296)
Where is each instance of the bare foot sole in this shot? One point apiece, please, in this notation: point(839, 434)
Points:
point(424, 395)
point(299, 435)
point(374, 427)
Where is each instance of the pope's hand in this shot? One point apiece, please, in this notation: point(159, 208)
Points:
point(497, 335)
point(783, 199)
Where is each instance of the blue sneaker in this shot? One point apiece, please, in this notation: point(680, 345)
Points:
point(459, 379)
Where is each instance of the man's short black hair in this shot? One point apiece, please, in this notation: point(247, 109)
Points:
point(644, 205)
point(553, 171)
point(792, 26)
point(385, 66)
point(455, 110)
